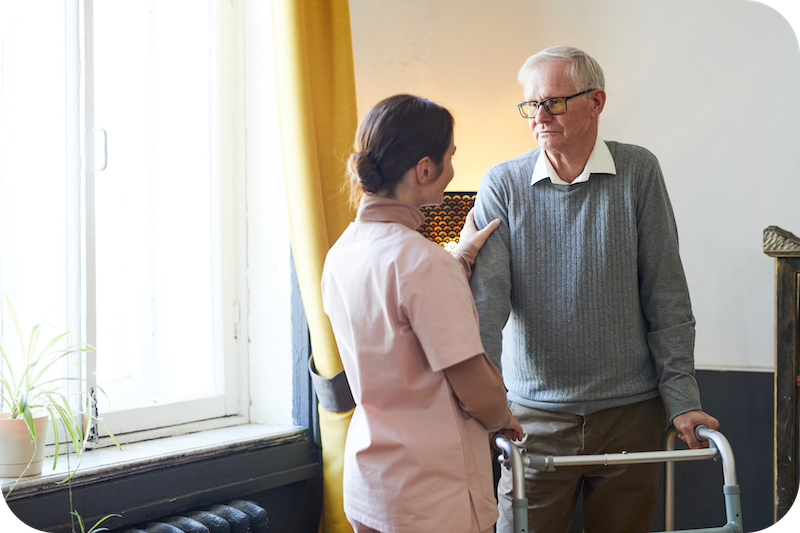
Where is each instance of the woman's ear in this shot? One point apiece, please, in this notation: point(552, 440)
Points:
point(425, 170)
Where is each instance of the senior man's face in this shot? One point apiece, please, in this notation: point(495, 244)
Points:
point(560, 133)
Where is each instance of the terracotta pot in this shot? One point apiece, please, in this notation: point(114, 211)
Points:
point(16, 448)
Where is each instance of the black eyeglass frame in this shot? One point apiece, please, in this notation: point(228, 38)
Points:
point(547, 106)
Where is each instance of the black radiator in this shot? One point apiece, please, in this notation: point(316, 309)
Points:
point(237, 516)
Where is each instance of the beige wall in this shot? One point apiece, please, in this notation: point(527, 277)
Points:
point(685, 78)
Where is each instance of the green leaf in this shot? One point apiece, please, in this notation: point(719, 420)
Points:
point(10, 369)
point(80, 520)
point(54, 424)
point(94, 528)
point(44, 369)
point(108, 430)
point(31, 343)
point(27, 387)
point(51, 343)
point(16, 323)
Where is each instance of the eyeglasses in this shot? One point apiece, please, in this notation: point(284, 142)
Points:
point(555, 105)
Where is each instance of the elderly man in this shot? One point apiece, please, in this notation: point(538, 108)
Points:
point(583, 303)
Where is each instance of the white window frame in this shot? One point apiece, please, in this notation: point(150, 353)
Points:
point(255, 267)
point(209, 412)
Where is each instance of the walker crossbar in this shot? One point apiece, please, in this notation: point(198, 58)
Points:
point(718, 447)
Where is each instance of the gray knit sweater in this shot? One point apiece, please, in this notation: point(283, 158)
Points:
point(588, 282)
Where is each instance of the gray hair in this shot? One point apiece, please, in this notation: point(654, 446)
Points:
point(583, 69)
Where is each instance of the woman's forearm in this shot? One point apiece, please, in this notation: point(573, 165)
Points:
point(479, 388)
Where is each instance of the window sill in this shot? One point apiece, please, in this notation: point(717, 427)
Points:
point(158, 477)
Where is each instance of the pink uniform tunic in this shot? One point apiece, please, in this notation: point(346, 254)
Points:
point(401, 312)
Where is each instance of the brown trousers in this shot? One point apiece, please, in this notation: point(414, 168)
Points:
point(616, 499)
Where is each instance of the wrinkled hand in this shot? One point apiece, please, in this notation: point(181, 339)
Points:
point(470, 233)
point(686, 424)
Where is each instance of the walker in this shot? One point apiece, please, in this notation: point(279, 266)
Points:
point(512, 458)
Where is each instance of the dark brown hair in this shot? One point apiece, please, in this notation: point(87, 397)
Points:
point(393, 137)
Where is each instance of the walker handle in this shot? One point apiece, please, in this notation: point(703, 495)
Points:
point(699, 433)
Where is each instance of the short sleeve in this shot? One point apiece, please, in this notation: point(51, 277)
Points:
point(438, 304)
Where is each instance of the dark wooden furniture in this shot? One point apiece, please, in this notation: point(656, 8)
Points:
point(785, 248)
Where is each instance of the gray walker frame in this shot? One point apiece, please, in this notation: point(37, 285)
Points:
point(512, 458)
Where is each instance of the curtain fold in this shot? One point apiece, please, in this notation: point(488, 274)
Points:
point(318, 120)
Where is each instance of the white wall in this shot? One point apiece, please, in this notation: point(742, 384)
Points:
point(710, 86)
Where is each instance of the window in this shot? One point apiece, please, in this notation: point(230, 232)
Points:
point(157, 247)
point(123, 206)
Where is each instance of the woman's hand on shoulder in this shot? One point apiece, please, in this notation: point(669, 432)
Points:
point(470, 233)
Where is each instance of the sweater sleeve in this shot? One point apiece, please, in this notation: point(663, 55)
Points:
point(491, 274)
point(664, 293)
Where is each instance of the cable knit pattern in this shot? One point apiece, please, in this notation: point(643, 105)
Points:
point(589, 278)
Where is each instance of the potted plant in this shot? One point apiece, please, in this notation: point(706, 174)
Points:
point(29, 395)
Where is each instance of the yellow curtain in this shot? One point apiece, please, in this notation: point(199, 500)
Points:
point(318, 119)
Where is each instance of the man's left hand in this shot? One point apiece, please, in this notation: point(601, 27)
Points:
point(687, 422)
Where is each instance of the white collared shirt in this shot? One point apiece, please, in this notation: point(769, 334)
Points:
point(600, 162)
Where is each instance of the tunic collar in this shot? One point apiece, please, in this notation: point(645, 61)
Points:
point(379, 209)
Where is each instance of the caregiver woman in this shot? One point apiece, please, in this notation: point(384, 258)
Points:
point(417, 456)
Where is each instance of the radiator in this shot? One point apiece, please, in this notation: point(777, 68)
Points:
point(237, 516)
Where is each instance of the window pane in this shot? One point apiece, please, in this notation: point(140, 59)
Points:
point(34, 237)
point(156, 250)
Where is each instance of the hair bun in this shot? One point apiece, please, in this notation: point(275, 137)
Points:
point(362, 165)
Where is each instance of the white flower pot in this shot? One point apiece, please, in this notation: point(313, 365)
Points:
point(16, 448)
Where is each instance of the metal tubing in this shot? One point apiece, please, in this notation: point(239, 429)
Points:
point(608, 459)
point(519, 500)
point(511, 453)
point(727, 528)
point(718, 447)
point(725, 451)
point(520, 510)
point(733, 506)
point(669, 482)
